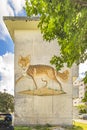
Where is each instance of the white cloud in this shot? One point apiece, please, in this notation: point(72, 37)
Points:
point(83, 69)
point(18, 5)
point(7, 72)
point(6, 9)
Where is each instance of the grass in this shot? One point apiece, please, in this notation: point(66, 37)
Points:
point(82, 125)
point(77, 126)
point(32, 128)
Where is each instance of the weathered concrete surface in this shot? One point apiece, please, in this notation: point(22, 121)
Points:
point(56, 109)
point(35, 109)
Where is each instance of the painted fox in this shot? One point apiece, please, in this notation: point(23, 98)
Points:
point(35, 70)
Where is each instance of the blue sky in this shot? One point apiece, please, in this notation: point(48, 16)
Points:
point(8, 8)
point(12, 8)
point(6, 46)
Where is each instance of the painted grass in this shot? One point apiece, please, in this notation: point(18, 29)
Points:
point(77, 126)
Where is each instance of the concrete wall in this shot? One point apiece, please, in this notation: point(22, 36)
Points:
point(54, 108)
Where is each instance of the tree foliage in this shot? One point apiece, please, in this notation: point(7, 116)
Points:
point(6, 102)
point(85, 78)
point(82, 108)
point(85, 82)
point(66, 21)
point(85, 97)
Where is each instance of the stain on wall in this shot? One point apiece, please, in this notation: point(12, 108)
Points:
point(42, 95)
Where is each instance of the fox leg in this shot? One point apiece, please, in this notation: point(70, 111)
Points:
point(35, 82)
point(59, 84)
point(57, 81)
point(19, 79)
point(52, 76)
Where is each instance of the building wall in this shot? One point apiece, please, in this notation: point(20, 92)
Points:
point(78, 92)
point(46, 105)
point(81, 90)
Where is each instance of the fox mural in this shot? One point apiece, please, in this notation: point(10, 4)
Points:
point(43, 95)
point(35, 70)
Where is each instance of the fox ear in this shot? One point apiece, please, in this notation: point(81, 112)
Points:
point(28, 56)
point(20, 57)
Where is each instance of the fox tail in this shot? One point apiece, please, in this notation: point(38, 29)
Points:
point(64, 76)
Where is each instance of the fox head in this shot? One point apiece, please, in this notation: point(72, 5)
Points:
point(24, 62)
